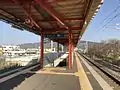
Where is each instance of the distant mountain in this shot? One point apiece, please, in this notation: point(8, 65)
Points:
point(36, 45)
point(29, 45)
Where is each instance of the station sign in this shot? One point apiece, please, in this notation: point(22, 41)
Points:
point(54, 36)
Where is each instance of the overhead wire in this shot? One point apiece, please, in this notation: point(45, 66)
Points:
point(111, 20)
point(108, 19)
point(110, 14)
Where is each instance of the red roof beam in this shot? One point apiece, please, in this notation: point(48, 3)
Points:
point(48, 33)
point(52, 12)
point(2, 10)
point(59, 29)
point(54, 1)
point(74, 38)
point(65, 40)
point(26, 11)
point(65, 19)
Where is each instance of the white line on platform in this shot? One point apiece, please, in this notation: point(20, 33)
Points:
point(51, 72)
point(99, 79)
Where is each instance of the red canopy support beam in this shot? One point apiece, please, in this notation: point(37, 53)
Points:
point(64, 19)
point(26, 11)
point(52, 12)
point(70, 50)
point(2, 10)
point(72, 53)
point(62, 29)
point(42, 49)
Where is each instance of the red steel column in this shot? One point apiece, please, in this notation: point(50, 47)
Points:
point(42, 49)
point(70, 50)
point(72, 53)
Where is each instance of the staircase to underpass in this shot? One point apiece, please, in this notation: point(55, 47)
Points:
point(54, 59)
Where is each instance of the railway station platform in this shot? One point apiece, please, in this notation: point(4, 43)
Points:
point(80, 77)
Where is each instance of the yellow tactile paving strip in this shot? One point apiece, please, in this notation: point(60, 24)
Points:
point(84, 82)
point(51, 69)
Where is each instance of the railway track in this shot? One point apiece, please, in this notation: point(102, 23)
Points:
point(115, 76)
point(17, 70)
point(109, 65)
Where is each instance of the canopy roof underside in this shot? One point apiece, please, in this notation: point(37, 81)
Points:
point(50, 16)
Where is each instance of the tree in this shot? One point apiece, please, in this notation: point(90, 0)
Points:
point(105, 49)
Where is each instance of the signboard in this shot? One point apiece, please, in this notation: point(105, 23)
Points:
point(54, 36)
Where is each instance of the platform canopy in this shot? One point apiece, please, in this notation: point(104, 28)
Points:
point(53, 17)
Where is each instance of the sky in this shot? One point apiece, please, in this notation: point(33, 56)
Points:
point(101, 28)
point(9, 35)
point(103, 25)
